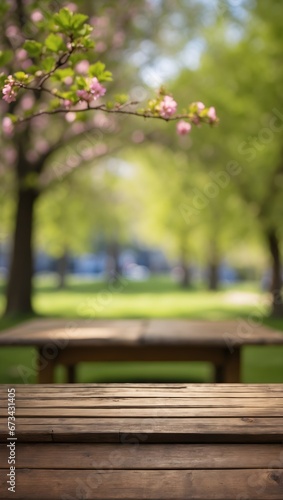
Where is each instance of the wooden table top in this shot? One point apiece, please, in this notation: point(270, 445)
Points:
point(157, 413)
point(140, 332)
point(153, 441)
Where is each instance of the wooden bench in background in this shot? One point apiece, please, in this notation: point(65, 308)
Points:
point(174, 441)
point(68, 343)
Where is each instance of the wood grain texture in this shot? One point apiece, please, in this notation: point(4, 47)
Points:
point(170, 331)
point(124, 402)
point(258, 484)
point(151, 430)
point(145, 456)
point(158, 442)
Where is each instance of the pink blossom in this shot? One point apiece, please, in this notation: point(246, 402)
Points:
point(100, 46)
point(68, 80)
point(32, 155)
point(7, 126)
point(96, 89)
point(167, 107)
point(118, 39)
point(26, 64)
point(12, 31)
point(9, 94)
point(27, 101)
point(70, 117)
point(82, 67)
point(84, 95)
point(21, 54)
point(77, 127)
point(72, 7)
point(67, 103)
point(200, 106)
point(36, 16)
point(212, 114)
point(138, 136)
point(183, 127)
point(10, 154)
point(41, 145)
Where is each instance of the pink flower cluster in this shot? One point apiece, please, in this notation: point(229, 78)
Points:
point(167, 107)
point(212, 114)
point(95, 91)
point(183, 127)
point(7, 126)
point(9, 94)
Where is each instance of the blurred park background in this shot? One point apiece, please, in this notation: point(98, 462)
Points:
point(120, 217)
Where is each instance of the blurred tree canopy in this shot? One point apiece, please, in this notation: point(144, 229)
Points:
point(31, 57)
point(202, 196)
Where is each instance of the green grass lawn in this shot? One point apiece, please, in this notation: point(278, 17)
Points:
point(156, 298)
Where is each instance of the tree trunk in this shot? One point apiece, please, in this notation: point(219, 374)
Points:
point(213, 275)
point(19, 288)
point(213, 265)
point(185, 278)
point(276, 277)
point(112, 266)
point(62, 268)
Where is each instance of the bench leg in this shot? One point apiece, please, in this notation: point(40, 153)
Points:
point(71, 374)
point(46, 370)
point(218, 374)
point(230, 371)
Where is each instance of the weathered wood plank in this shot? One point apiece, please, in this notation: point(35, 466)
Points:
point(32, 412)
point(151, 402)
point(257, 429)
point(91, 332)
point(153, 386)
point(175, 456)
point(93, 392)
point(153, 485)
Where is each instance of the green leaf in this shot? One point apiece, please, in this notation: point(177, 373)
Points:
point(3, 8)
point(85, 30)
point(54, 104)
point(61, 74)
point(5, 57)
point(69, 95)
point(2, 80)
point(96, 69)
point(86, 43)
point(110, 105)
point(12, 117)
point(54, 43)
point(21, 76)
point(81, 83)
point(33, 69)
point(63, 19)
point(48, 64)
point(106, 76)
point(33, 48)
point(78, 20)
point(121, 98)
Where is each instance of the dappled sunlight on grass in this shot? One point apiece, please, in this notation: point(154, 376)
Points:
point(158, 297)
